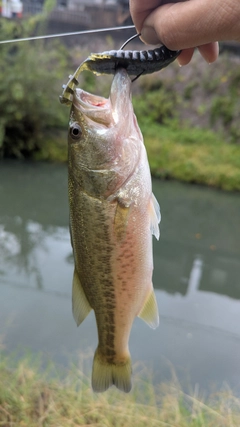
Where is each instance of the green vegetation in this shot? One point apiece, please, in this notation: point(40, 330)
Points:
point(33, 123)
point(31, 397)
point(29, 89)
point(193, 155)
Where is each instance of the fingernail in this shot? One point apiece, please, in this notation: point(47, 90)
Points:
point(149, 35)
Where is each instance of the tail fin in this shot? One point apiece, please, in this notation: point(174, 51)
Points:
point(105, 374)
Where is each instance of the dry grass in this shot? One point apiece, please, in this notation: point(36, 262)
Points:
point(29, 399)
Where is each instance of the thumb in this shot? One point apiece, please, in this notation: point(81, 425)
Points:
point(190, 23)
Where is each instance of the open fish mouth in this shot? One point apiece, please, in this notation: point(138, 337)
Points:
point(110, 110)
point(93, 108)
point(89, 101)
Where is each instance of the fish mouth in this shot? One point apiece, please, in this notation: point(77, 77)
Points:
point(89, 101)
point(94, 108)
point(106, 111)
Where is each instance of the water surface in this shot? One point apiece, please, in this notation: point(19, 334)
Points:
point(196, 278)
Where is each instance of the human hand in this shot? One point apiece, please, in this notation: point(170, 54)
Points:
point(187, 24)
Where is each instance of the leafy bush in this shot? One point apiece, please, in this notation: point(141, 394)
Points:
point(31, 79)
point(156, 106)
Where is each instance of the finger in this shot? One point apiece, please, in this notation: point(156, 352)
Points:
point(140, 9)
point(209, 51)
point(185, 56)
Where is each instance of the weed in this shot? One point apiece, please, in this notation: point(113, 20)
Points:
point(29, 398)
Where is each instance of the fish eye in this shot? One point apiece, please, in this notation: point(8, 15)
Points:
point(75, 131)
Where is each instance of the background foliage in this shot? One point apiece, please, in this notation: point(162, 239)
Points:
point(31, 75)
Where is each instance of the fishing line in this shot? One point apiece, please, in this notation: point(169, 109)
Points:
point(76, 33)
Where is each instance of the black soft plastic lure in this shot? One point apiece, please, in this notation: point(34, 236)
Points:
point(136, 63)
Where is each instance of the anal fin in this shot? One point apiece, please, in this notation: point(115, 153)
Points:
point(80, 304)
point(149, 312)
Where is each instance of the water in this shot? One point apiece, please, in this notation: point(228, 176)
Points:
point(196, 278)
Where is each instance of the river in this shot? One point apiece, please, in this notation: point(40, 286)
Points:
point(196, 278)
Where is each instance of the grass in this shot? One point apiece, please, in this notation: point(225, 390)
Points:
point(193, 155)
point(29, 397)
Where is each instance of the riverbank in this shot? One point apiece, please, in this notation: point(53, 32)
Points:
point(29, 398)
point(194, 156)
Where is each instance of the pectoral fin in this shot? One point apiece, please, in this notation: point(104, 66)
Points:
point(155, 216)
point(149, 312)
point(80, 304)
point(121, 221)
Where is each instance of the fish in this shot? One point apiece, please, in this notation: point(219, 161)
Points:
point(113, 215)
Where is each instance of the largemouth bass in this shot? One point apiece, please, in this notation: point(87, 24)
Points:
point(113, 215)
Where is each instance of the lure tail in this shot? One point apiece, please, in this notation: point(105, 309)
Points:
point(69, 88)
point(105, 374)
